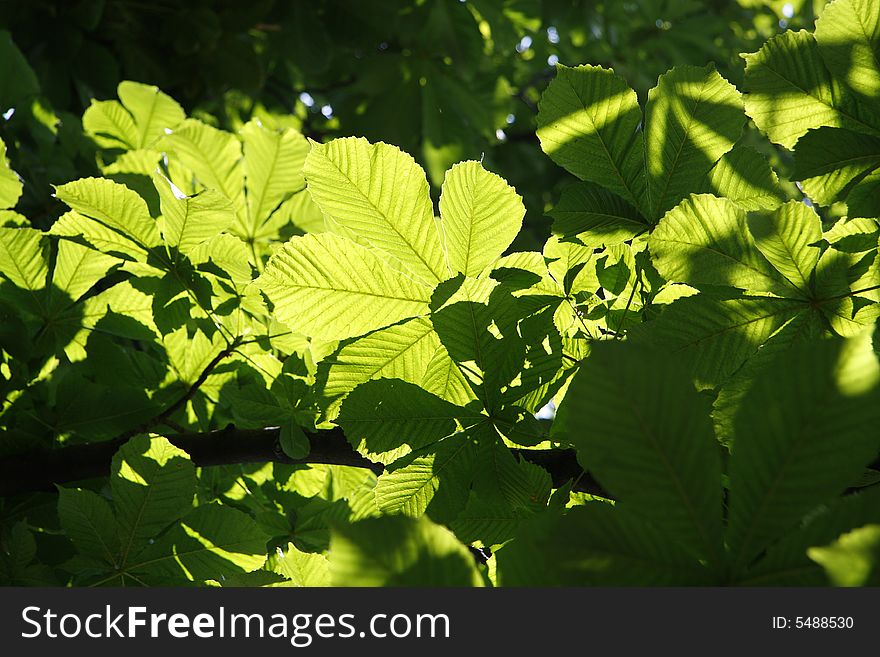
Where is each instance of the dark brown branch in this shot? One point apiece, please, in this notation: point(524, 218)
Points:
point(42, 470)
point(162, 417)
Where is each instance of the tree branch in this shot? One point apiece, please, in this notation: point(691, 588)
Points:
point(165, 415)
point(41, 470)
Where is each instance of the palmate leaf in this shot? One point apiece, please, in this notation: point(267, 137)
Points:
point(481, 214)
point(838, 275)
point(720, 335)
point(588, 123)
point(597, 545)
point(788, 237)
point(642, 429)
point(692, 118)
point(502, 355)
point(138, 120)
point(705, 241)
point(327, 286)
point(378, 195)
point(799, 438)
point(399, 551)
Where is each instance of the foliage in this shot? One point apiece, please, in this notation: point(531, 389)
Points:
point(445, 81)
point(707, 332)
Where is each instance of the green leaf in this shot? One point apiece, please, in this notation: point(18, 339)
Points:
point(399, 551)
point(837, 277)
point(693, 117)
point(379, 195)
point(744, 176)
point(829, 160)
point(273, 163)
point(188, 221)
point(143, 116)
point(301, 568)
point(110, 125)
point(444, 379)
point(435, 480)
point(766, 345)
point(789, 238)
point(786, 562)
point(17, 79)
point(848, 34)
point(210, 542)
point(481, 326)
point(328, 287)
point(802, 435)
point(402, 351)
point(595, 216)
point(214, 156)
point(78, 268)
point(565, 262)
point(853, 559)
point(385, 418)
point(75, 227)
point(644, 432)
point(153, 483)
point(862, 200)
point(503, 479)
point(255, 407)
point(490, 523)
point(481, 214)
point(23, 257)
point(10, 183)
point(588, 123)
point(705, 241)
point(293, 441)
point(596, 545)
point(791, 91)
point(88, 521)
point(114, 206)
